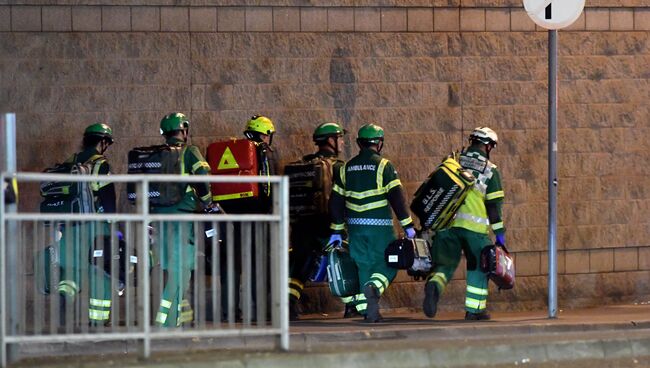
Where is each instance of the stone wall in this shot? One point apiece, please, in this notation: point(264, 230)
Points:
point(427, 71)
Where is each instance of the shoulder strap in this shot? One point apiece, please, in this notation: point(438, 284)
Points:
point(95, 162)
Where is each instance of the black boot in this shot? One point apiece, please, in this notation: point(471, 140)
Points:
point(350, 311)
point(372, 298)
point(482, 316)
point(431, 296)
point(294, 310)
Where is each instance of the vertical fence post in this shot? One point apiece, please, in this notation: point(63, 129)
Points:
point(10, 258)
point(284, 263)
point(3, 307)
point(142, 196)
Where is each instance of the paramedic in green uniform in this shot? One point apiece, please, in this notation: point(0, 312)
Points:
point(364, 191)
point(309, 234)
point(176, 250)
point(469, 230)
point(74, 262)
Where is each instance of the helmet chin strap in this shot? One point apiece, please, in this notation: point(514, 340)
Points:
point(488, 148)
point(334, 146)
point(103, 146)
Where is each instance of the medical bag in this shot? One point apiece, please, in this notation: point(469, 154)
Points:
point(233, 157)
point(436, 201)
point(70, 196)
point(342, 273)
point(499, 266)
point(413, 255)
point(160, 159)
point(310, 185)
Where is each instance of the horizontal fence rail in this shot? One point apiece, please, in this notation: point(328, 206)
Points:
point(141, 274)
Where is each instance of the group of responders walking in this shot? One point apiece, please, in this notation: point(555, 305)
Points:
point(363, 191)
point(333, 204)
point(173, 242)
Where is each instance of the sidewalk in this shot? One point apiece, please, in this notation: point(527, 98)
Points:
point(611, 335)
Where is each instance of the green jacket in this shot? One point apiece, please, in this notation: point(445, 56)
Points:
point(364, 190)
point(193, 163)
point(482, 207)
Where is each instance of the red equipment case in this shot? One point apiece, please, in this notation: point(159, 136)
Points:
point(233, 157)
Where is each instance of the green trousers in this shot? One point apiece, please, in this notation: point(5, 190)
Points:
point(446, 251)
point(367, 245)
point(176, 251)
point(77, 243)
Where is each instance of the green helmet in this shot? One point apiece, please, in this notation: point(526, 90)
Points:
point(371, 133)
point(99, 130)
point(260, 124)
point(174, 121)
point(327, 130)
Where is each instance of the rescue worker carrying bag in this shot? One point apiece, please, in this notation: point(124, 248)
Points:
point(436, 201)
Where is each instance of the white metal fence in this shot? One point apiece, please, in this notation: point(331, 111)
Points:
point(54, 266)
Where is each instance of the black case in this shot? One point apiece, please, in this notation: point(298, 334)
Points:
point(409, 254)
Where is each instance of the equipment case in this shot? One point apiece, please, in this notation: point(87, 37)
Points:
point(409, 254)
point(233, 157)
point(436, 201)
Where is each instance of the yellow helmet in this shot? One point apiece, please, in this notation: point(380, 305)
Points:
point(260, 124)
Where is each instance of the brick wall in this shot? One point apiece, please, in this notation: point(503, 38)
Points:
point(427, 71)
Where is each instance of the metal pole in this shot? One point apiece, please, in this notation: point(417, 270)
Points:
point(143, 260)
point(552, 173)
point(3, 300)
point(284, 263)
point(11, 234)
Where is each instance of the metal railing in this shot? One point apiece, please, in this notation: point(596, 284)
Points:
point(235, 276)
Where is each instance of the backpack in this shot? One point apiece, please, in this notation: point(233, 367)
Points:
point(310, 186)
point(66, 196)
point(233, 157)
point(437, 200)
point(162, 159)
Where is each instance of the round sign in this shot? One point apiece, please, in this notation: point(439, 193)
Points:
point(554, 14)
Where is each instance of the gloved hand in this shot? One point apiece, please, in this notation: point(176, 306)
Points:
point(335, 242)
point(410, 233)
point(501, 239)
point(213, 208)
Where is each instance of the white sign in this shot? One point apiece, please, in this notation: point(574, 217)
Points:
point(554, 14)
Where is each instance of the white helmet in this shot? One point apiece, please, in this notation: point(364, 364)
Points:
point(484, 135)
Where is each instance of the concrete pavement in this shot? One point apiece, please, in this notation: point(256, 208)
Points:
point(617, 336)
